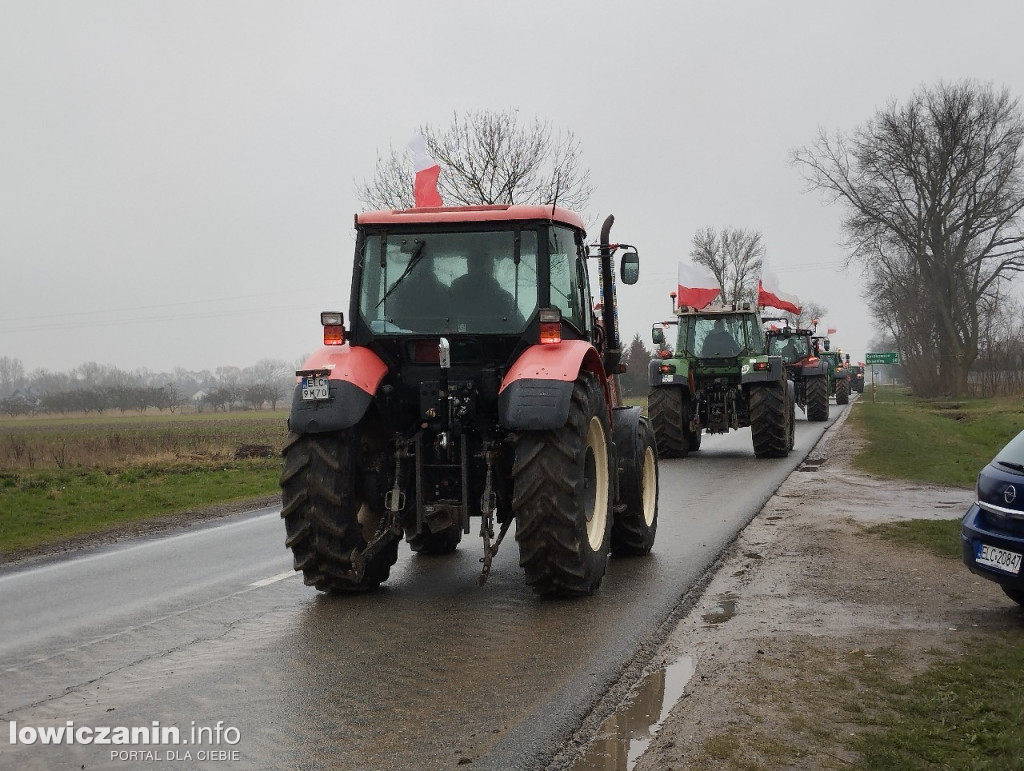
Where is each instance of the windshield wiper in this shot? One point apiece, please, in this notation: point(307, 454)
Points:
point(1011, 464)
point(415, 258)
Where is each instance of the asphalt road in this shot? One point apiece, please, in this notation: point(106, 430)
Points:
point(211, 625)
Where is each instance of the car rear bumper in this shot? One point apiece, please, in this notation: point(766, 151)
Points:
point(977, 529)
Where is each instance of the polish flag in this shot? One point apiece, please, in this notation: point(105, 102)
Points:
point(424, 188)
point(698, 286)
point(831, 331)
point(768, 293)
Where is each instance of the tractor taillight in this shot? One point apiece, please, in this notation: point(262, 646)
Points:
point(761, 366)
point(664, 353)
point(667, 369)
point(334, 327)
point(550, 325)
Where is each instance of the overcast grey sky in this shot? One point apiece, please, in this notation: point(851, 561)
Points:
point(177, 176)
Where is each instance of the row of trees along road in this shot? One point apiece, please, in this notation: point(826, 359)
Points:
point(932, 191)
point(98, 388)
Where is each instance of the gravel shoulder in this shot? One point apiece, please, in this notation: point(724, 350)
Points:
point(804, 596)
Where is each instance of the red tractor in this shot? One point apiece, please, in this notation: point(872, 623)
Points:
point(801, 355)
point(474, 380)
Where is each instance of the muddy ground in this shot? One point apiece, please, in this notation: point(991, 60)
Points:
point(803, 601)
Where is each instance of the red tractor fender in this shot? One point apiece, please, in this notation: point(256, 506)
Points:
point(354, 364)
point(536, 391)
point(353, 375)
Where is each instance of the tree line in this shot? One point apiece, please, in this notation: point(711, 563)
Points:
point(95, 388)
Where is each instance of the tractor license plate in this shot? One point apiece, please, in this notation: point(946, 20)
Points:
point(315, 389)
point(1000, 559)
point(667, 378)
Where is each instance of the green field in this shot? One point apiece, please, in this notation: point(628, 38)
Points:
point(66, 477)
point(934, 441)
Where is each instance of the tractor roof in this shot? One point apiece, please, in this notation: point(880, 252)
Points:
point(738, 309)
point(462, 214)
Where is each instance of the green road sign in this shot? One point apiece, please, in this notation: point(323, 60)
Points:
point(885, 357)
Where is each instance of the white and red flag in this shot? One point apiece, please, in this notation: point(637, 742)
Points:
point(424, 187)
point(698, 286)
point(768, 293)
point(831, 331)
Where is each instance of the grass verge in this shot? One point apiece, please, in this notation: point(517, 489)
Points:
point(67, 478)
point(964, 712)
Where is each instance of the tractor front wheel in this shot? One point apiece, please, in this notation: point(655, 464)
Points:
point(562, 496)
point(636, 515)
point(444, 541)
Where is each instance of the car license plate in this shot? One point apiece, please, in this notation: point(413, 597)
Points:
point(1000, 559)
point(315, 389)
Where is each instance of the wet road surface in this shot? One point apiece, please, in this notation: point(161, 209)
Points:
point(431, 671)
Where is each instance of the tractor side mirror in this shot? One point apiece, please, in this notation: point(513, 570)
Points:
point(658, 335)
point(827, 344)
point(629, 268)
point(847, 360)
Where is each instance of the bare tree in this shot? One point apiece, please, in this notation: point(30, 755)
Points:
point(12, 372)
point(487, 158)
point(734, 255)
point(934, 191)
point(810, 313)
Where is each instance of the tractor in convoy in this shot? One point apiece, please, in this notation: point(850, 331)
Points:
point(714, 373)
point(474, 379)
point(804, 366)
point(838, 370)
point(857, 378)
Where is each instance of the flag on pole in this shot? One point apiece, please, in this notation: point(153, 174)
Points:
point(831, 331)
point(424, 188)
point(698, 286)
point(768, 293)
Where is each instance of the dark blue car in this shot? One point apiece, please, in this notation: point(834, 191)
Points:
point(992, 532)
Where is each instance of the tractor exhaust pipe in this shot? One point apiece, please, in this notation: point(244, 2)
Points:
point(609, 318)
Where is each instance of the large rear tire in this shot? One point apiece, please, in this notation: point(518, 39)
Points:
point(817, 398)
point(636, 515)
point(667, 413)
point(562, 497)
point(791, 390)
point(769, 420)
point(842, 392)
point(326, 517)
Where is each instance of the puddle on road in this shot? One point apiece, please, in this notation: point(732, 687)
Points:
point(723, 611)
point(626, 734)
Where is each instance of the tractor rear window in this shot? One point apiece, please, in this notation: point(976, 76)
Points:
point(722, 336)
point(444, 283)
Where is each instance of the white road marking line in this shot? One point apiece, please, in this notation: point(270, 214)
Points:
point(274, 579)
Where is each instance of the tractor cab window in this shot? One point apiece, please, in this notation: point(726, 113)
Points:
point(446, 283)
point(724, 336)
point(570, 289)
point(791, 348)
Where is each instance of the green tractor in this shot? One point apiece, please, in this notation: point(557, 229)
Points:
point(838, 370)
point(857, 378)
point(716, 375)
point(808, 371)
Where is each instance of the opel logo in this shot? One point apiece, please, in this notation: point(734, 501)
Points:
point(1009, 494)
